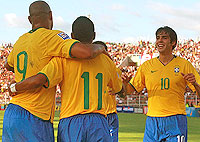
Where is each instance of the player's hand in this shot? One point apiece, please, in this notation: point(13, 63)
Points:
point(189, 77)
point(11, 93)
point(126, 78)
point(130, 63)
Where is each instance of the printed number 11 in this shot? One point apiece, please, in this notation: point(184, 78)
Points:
point(99, 77)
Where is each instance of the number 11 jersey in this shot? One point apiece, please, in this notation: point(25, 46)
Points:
point(83, 83)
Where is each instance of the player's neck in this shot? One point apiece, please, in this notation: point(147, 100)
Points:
point(35, 26)
point(165, 59)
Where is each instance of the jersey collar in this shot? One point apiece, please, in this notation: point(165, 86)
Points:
point(31, 31)
point(168, 62)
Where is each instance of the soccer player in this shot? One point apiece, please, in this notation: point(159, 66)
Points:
point(165, 78)
point(111, 109)
point(29, 116)
point(83, 86)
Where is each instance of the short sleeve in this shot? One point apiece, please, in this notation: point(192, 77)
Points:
point(116, 79)
point(59, 44)
point(190, 69)
point(53, 71)
point(138, 81)
point(10, 59)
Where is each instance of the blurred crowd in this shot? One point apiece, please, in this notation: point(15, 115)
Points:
point(187, 49)
point(5, 76)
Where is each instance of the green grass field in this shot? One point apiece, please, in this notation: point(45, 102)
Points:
point(131, 127)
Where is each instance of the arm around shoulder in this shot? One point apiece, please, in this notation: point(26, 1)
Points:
point(197, 87)
point(86, 51)
point(31, 83)
point(8, 67)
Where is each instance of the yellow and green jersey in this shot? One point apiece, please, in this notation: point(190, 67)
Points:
point(111, 100)
point(83, 83)
point(165, 85)
point(30, 54)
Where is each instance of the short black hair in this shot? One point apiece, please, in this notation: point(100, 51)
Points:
point(170, 31)
point(102, 43)
point(83, 29)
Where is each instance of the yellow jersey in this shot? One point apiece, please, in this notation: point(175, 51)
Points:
point(30, 54)
point(165, 85)
point(83, 83)
point(111, 100)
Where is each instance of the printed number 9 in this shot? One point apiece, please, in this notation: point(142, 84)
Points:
point(22, 71)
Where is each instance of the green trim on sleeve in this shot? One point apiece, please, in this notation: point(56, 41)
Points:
point(71, 49)
point(133, 86)
point(46, 78)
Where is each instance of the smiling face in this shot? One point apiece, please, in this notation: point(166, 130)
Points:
point(163, 43)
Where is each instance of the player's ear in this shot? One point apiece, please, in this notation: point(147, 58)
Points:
point(72, 35)
point(173, 43)
point(94, 35)
point(29, 19)
point(50, 15)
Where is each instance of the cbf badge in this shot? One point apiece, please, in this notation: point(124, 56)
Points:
point(63, 35)
point(176, 70)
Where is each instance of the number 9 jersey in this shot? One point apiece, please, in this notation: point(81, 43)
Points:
point(165, 85)
point(30, 54)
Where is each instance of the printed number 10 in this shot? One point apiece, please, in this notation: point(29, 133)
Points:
point(165, 83)
point(99, 77)
point(181, 138)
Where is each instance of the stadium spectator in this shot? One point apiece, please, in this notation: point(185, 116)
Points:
point(165, 78)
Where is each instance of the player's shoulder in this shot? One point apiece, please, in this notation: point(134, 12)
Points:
point(105, 58)
point(21, 38)
point(151, 61)
point(181, 60)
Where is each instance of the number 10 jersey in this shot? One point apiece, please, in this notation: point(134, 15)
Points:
point(165, 85)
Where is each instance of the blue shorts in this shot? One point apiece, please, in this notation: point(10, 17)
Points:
point(84, 128)
point(19, 125)
point(169, 129)
point(113, 123)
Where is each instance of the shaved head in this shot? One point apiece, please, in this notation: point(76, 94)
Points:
point(38, 8)
point(40, 15)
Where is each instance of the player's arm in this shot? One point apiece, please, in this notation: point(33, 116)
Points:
point(128, 88)
point(190, 77)
point(30, 83)
point(61, 45)
point(197, 87)
point(137, 83)
point(48, 77)
point(8, 67)
point(9, 64)
point(86, 51)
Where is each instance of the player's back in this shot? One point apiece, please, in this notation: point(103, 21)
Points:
point(30, 54)
point(110, 98)
point(84, 85)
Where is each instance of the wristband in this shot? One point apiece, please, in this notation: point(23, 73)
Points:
point(12, 88)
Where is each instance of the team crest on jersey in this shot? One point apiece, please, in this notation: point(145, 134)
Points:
point(176, 70)
point(63, 35)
